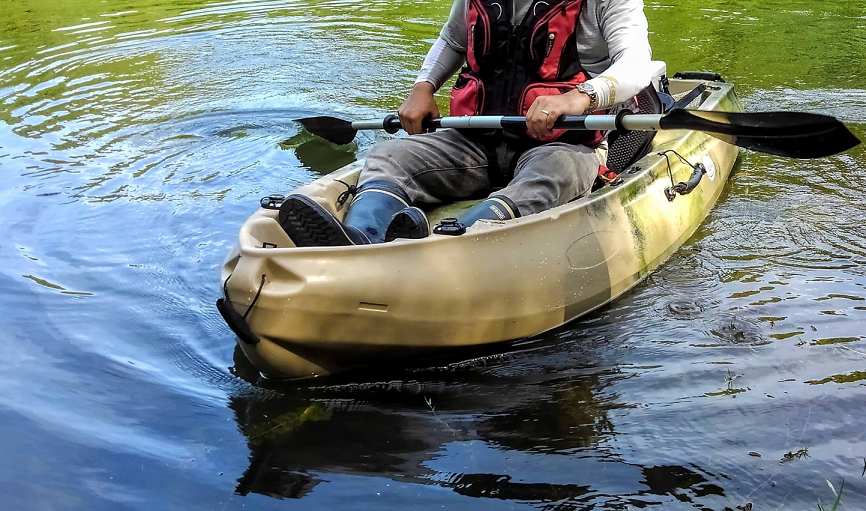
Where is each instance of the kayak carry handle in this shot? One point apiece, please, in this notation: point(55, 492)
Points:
point(236, 322)
point(687, 187)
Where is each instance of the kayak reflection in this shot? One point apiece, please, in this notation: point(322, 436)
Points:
point(319, 155)
point(550, 439)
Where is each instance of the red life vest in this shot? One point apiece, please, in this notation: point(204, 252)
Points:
point(510, 64)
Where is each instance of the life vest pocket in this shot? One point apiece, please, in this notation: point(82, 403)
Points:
point(467, 96)
point(552, 36)
point(479, 34)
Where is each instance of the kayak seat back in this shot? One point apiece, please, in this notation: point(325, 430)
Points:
point(626, 148)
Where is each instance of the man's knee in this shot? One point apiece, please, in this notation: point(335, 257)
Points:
point(564, 153)
point(558, 163)
point(552, 175)
point(388, 150)
point(391, 160)
point(563, 163)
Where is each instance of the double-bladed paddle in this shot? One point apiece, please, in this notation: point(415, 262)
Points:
point(791, 134)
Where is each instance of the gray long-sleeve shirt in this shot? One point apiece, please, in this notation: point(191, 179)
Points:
point(612, 43)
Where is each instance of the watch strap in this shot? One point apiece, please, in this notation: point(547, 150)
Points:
point(593, 99)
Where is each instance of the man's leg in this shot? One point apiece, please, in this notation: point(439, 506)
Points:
point(551, 175)
point(430, 168)
point(545, 177)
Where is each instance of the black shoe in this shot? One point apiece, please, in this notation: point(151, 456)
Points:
point(311, 225)
point(409, 223)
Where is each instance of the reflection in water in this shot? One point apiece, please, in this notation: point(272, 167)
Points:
point(136, 138)
point(400, 432)
point(319, 155)
point(572, 417)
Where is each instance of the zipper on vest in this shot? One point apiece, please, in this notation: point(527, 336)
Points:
point(509, 70)
point(512, 59)
point(485, 25)
point(555, 11)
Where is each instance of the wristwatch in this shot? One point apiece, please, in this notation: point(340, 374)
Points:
point(589, 90)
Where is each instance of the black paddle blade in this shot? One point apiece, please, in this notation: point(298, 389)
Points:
point(790, 134)
point(331, 129)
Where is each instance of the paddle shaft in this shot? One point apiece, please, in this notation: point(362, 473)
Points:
point(632, 122)
point(790, 134)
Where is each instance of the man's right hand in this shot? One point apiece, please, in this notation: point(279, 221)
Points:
point(418, 106)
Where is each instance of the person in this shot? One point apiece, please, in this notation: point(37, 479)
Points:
point(538, 58)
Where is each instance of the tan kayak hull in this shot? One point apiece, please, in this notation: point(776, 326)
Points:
point(322, 310)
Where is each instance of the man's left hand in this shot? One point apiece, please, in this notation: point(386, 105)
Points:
point(539, 124)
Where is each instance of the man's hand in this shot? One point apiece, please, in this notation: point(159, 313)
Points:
point(540, 124)
point(418, 106)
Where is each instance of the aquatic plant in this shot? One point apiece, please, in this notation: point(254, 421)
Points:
point(838, 496)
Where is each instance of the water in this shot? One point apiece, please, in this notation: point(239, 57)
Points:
point(135, 138)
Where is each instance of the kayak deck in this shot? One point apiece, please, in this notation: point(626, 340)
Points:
point(318, 310)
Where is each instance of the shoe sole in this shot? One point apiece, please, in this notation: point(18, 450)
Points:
point(310, 225)
point(411, 223)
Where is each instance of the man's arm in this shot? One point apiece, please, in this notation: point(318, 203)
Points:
point(448, 53)
point(624, 27)
point(441, 63)
point(446, 57)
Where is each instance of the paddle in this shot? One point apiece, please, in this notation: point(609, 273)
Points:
point(791, 134)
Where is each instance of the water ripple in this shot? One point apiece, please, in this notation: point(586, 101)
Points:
point(136, 138)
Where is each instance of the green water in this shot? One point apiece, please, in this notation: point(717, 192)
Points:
point(136, 137)
point(758, 45)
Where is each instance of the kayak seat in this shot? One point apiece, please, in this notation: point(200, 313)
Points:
point(624, 149)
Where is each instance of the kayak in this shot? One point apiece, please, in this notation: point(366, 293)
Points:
point(313, 311)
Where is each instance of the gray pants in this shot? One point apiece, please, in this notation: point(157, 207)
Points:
point(446, 166)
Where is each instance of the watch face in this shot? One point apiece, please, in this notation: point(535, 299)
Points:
point(586, 87)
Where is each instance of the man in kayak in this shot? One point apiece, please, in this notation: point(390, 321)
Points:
point(542, 59)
